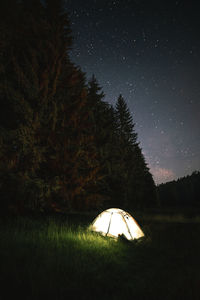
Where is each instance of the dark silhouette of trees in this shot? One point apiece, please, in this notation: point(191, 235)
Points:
point(102, 121)
point(134, 185)
point(61, 145)
point(183, 192)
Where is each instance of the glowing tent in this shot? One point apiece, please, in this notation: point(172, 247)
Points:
point(114, 222)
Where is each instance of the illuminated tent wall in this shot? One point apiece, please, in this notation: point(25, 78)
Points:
point(114, 222)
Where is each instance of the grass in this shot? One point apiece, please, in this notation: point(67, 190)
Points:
point(59, 258)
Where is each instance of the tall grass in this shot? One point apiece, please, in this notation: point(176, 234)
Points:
point(42, 259)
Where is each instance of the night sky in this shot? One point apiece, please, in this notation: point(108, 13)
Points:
point(149, 51)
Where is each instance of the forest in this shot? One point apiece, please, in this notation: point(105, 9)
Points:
point(62, 146)
point(184, 192)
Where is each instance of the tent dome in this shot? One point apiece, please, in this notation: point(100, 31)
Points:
point(114, 222)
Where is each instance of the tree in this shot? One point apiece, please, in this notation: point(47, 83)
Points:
point(125, 123)
point(36, 50)
point(20, 154)
point(71, 165)
point(100, 116)
point(132, 174)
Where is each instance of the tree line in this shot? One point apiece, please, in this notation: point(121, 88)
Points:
point(62, 146)
point(183, 192)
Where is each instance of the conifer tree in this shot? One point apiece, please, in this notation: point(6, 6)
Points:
point(37, 52)
point(125, 123)
point(126, 139)
point(132, 170)
point(71, 157)
point(18, 89)
point(102, 119)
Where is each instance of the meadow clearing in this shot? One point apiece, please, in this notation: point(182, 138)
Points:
point(58, 258)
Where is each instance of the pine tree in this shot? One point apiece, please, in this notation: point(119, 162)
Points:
point(102, 119)
point(131, 169)
point(71, 157)
point(126, 140)
point(36, 49)
point(125, 123)
point(18, 156)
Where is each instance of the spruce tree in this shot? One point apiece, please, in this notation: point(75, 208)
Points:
point(71, 158)
point(103, 128)
point(125, 123)
point(131, 170)
point(126, 140)
point(19, 90)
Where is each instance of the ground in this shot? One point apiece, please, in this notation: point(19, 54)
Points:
point(54, 257)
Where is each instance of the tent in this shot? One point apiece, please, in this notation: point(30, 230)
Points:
point(114, 222)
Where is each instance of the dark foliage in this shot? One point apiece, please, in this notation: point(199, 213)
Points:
point(134, 185)
point(62, 147)
point(183, 192)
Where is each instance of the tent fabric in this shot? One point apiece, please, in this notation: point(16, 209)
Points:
point(115, 222)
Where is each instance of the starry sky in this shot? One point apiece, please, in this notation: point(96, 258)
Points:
point(149, 51)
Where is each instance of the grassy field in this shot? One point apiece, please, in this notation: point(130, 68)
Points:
point(57, 258)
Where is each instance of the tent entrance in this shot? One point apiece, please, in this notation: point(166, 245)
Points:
point(127, 226)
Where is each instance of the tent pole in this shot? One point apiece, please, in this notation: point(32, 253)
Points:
point(109, 223)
